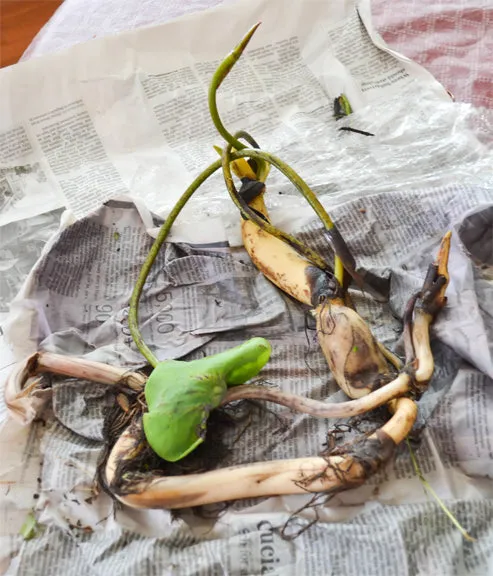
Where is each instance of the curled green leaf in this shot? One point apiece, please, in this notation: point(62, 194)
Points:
point(180, 395)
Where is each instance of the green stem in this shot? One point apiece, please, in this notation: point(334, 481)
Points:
point(293, 176)
point(228, 156)
point(339, 270)
point(249, 214)
point(133, 313)
point(133, 319)
point(342, 252)
point(261, 169)
point(219, 75)
point(265, 158)
point(338, 243)
point(429, 489)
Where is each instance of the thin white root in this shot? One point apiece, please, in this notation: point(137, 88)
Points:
point(294, 476)
point(398, 387)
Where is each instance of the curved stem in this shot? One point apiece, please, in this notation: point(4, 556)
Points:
point(246, 481)
point(166, 227)
point(249, 214)
point(219, 75)
point(391, 357)
point(402, 422)
point(133, 314)
point(133, 320)
point(294, 177)
point(248, 137)
point(343, 258)
point(338, 244)
point(431, 300)
point(262, 169)
point(398, 387)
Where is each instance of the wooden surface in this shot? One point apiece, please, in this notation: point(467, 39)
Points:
point(20, 21)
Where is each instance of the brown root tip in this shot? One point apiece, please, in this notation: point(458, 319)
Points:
point(442, 265)
point(432, 298)
point(442, 262)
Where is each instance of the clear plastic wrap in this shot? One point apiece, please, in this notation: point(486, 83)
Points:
point(418, 142)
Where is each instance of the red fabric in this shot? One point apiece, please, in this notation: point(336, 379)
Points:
point(453, 39)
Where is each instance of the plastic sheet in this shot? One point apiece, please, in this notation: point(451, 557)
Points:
point(418, 142)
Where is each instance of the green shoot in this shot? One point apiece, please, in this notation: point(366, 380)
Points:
point(133, 314)
point(219, 75)
point(429, 489)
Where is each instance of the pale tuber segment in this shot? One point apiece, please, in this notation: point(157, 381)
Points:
point(352, 353)
point(294, 476)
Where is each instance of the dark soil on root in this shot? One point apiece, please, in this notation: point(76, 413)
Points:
point(223, 424)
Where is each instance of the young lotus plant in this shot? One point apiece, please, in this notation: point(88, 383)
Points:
point(366, 371)
point(176, 400)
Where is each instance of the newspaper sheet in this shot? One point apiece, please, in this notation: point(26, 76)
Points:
point(128, 115)
point(118, 129)
point(452, 441)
